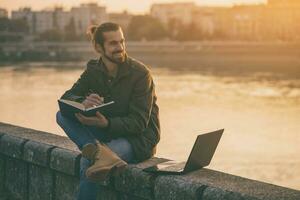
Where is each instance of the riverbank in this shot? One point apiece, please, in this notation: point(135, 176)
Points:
point(214, 57)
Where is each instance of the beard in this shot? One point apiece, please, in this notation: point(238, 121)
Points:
point(117, 57)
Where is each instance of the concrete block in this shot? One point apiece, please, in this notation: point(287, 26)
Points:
point(173, 187)
point(124, 196)
point(66, 187)
point(211, 193)
point(16, 178)
point(4, 196)
point(106, 193)
point(246, 188)
point(66, 161)
point(2, 173)
point(37, 153)
point(38, 136)
point(12, 146)
point(41, 183)
point(135, 182)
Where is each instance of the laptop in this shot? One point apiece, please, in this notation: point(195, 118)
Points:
point(200, 156)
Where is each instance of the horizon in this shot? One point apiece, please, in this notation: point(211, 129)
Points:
point(114, 5)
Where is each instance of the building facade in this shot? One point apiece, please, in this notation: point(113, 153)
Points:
point(123, 19)
point(3, 13)
point(28, 15)
point(86, 15)
point(180, 12)
point(58, 19)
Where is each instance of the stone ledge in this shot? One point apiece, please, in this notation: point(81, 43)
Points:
point(66, 161)
point(234, 186)
point(16, 178)
point(135, 181)
point(41, 183)
point(37, 153)
point(32, 157)
point(212, 193)
point(2, 174)
point(12, 146)
point(169, 187)
point(37, 136)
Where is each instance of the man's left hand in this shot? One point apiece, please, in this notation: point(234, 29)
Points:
point(99, 120)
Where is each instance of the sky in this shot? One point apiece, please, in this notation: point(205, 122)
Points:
point(134, 6)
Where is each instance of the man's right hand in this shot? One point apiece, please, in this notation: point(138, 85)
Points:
point(93, 100)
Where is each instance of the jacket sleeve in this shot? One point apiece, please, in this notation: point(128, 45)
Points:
point(78, 90)
point(140, 107)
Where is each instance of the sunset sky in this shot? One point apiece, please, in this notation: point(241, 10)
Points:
point(135, 6)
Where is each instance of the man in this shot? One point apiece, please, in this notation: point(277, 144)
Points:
point(130, 130)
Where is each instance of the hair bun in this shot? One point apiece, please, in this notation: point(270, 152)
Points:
point(91, 31)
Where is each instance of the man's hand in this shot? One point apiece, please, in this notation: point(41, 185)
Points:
point(93, 100)
point(99, 120)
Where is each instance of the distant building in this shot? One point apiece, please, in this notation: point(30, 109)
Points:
point(179, 12)
point(43, 21)
point(28, 15)
point(283, 2)
point(88, 14)
point(3, 13)
point(61, 19)
point(205, 19)
point(275, 20)
point(281, 19)
point(246, 22)
point(123, 19)
point(58, 19)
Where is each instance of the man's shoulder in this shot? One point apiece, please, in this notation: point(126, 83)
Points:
point(92, 64)
point(137, 66)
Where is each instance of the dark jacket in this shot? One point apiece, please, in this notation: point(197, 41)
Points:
point(135, 114)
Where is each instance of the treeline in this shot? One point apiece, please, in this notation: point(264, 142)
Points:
point(145, 27)
point(12, 30)
point(141, 27)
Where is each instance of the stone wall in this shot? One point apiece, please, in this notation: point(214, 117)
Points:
point(37, 165)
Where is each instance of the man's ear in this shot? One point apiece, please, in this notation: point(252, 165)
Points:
point(98, 48)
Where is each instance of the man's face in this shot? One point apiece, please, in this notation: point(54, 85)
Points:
point(114, 45)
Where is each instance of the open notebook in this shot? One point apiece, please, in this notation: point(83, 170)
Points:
point(69, 108)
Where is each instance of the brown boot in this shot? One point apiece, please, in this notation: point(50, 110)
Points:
point(105, 162)
point(89, 150)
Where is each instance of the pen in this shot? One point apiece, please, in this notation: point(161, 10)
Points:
point(92, 91)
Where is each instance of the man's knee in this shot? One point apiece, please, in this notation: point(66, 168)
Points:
point(59, 118)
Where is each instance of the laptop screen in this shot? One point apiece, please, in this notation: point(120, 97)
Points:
point(203, 150)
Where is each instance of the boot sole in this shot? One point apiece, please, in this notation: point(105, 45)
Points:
point(118, 169)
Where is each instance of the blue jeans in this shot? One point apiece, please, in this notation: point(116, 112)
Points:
point(81, 135)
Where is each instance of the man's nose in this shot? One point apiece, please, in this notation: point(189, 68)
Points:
point(120, 47)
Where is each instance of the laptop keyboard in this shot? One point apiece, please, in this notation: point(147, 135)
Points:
point(172, 166)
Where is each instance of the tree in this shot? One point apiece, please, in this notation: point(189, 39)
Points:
point(189, 32)
point(145, 27)
point(70, 31)
point(14, 25)
point(19, 26)
point(4, 24)
point(51, 35)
